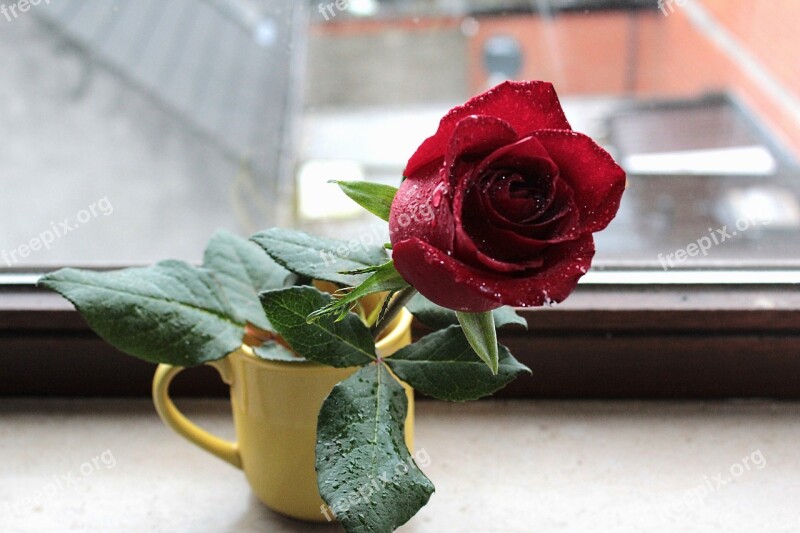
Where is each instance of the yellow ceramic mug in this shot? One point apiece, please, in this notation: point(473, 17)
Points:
point(275, 407)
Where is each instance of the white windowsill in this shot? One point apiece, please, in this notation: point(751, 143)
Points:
point(510, 466)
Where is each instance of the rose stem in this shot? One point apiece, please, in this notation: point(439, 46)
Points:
point(398, 302)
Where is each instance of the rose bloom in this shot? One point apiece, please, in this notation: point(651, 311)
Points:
point(515, 196)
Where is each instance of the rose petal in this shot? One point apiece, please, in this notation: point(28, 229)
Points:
point(497, 209)
point(560, 222)
point(565, 264)
point(528, 158)
point(522, 153)
point(518, 155)
point(421, 208)
point(474, 231)
point(521, 198)
point(469, 251)
point(502, 244)
point(455, 285)
point(475, 136)
point(526, 106)
point(436, 276)
point(597, 182)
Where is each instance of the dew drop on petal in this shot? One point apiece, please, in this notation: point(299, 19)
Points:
point(438, 192)
point(547, 301)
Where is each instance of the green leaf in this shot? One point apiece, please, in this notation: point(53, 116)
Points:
point(445, 366)
point(385, 278)
point(479, 330)
point(506, 316)
point(374, 197)
point(168, 313)
point(364, 470)
point(321, 258)
point(272, 351)
point(437, 317)
point(341, 344)
point(379, 314)
point(244, 271)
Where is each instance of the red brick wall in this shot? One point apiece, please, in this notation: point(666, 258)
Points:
point(769, 29)
point(649, 54)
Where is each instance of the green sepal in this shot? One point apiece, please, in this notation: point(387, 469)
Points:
point(374, 197)
point(482, 336)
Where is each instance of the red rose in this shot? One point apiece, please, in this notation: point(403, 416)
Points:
point(514, 197)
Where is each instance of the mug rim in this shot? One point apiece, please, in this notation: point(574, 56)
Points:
point(399, 326)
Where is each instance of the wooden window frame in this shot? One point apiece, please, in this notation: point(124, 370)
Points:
point(622, 334)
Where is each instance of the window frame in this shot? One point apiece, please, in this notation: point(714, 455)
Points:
point(623, 334)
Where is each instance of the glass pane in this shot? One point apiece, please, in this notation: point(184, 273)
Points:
point(134, 129)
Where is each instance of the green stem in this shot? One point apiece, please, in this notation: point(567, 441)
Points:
point(398, 302)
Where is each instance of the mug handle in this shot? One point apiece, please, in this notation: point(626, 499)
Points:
point(172, 417)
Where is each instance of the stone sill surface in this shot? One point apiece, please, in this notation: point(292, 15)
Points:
point(504, 466)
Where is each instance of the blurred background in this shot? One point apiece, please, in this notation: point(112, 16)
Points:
point(132, 130)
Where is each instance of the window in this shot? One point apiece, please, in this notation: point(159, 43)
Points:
point(134, 129)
